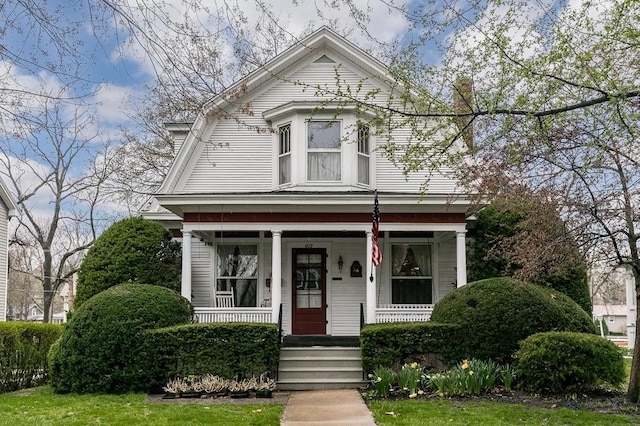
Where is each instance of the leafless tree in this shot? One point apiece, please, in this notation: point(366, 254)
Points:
point(55, 168)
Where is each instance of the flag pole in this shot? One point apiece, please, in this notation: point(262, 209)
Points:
point(376, 255)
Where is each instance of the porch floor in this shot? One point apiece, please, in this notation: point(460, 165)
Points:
point(298, 341)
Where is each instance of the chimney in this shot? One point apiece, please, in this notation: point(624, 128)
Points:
point(463, 103)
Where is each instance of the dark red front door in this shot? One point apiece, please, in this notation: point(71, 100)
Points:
point(309, 294)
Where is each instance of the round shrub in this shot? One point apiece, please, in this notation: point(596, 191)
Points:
point(497, 313)
point(131, 250)
point(100, 348)
point(564, 361)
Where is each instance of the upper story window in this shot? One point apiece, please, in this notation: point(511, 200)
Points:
point(317, 146)
point(363, 154)
point(324, 151)
point(284, 154)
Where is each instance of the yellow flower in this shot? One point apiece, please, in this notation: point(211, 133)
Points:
point(471, 372)
point(414, 365)
point(465, 364)
point(420, 392)
point(379, 379)
point(370, 375)
point(413, 395)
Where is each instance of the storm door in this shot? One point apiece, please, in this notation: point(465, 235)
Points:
point(309, 291)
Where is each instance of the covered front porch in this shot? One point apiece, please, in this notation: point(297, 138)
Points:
point(324, 269)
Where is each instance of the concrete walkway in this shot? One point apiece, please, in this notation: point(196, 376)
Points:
point(326, 407)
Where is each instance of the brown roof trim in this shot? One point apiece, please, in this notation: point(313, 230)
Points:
point(322, 217)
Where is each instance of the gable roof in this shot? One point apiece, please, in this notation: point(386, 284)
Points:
point(6, 198)
point(322, 38)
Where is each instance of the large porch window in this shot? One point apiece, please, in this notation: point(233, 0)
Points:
point(237, 270)
point(411, 274)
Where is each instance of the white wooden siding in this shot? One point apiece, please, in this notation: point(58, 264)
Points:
point(446, 265)
point(239, 158)
point(4, 241)
point(201, 273)
point(348, 293)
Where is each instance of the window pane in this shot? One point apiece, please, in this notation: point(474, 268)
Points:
point(363, 169)
point(411, 260)
point(284, 133)
point(237, 260)
point(285, 169)
point(244, 290)
point(324, 135)
point(324, 166)
point(363, 139)
point(411, 291)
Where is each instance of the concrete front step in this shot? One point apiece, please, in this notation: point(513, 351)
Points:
point(317, 368)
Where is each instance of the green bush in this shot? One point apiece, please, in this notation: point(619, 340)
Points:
point(564, 361)
point(100, 348)
point(131, 250)
point(497, 313)
point(230, 350)
point(392, 345)
point(23, 354)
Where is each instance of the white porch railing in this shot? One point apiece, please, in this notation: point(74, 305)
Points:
point(205, 315)
point(403, 313)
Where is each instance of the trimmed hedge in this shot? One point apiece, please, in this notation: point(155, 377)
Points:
point(395, 344)
point(23, 354)
point(229, 350)
point(564, 361)
point(497, 313)
point(100, 348)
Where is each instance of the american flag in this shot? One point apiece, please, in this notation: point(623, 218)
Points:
point(376, 254)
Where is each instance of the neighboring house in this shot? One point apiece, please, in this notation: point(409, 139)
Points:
point(36, 314)
point(277, 225)
point(8, 209)
point(614, 316)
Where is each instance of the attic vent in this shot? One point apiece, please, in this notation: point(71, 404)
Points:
point(324, 59)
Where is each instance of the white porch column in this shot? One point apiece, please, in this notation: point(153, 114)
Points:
point(371, 283)
point(276, 274)
point(186, 265)
point(461, 258)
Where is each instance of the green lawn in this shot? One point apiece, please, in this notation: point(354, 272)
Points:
point(445, 412)
point(41, 406)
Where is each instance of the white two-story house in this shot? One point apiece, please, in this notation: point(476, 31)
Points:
point(8, 209)
point(272, 193)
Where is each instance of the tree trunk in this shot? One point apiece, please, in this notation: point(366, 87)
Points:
point(633, 394)
point(47, 285)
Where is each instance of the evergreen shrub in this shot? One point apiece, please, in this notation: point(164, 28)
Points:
point(100, 350)
point(23, 354)
point(565, 361)
point(497, 313)
point(392, 345)
point(132, 250)
point(229, 350)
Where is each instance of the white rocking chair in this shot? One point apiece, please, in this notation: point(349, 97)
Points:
point(225, 299)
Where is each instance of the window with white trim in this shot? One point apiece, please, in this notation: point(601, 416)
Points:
point(411, 274)
point(284, 154)
point(237, 270)
point(324, 151)
point(363, 154)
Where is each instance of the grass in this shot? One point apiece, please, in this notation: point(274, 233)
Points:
point(445, 412)
point(40, 406)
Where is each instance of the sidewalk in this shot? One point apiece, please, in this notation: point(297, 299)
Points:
point(326, 407)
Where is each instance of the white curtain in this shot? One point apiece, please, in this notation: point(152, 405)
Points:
point(411, 260)
point(324, 166)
